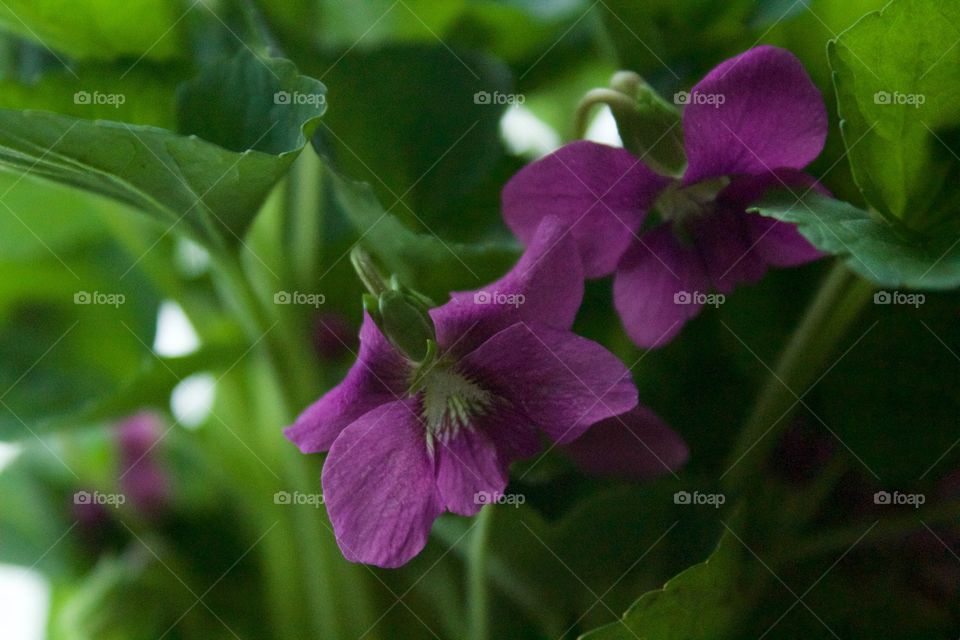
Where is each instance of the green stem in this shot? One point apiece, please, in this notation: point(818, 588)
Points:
point(477, 593)
point(894, 528)
point(836, 306)
point(284, 368)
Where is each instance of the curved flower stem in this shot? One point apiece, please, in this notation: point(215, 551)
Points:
point(477, 593)
point(836, 306)
point(599, 97)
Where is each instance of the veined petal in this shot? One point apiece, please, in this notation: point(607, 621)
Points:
point(754, 113)
point(546, 286)
point(468, 465)
point(600, 193)
point(379, 486)
point(563, 382)
point(379, 375)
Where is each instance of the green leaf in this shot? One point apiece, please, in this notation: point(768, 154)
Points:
point(100, 29)
point(703, 602)
point(422, 262)
point(417, 130)
point(870, 247)
point(216, 183)
point(147, 94)
point(897, 76)
point(67, 337)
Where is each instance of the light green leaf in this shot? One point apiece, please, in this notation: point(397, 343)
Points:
point(241, 141)
point(870, 247)
point(897, 75)
point(100, 29)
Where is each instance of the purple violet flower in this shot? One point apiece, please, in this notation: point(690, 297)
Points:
point(751, 124)
point(407, 444)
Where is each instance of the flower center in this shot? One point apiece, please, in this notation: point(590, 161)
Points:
point(450, 402)
point(679, 204)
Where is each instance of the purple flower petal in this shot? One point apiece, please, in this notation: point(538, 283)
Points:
point(776, 243)
point(655, 285)
point(563, 382)
point(779, 244)
point(468, 464)
point(771, 117)
point(379, 375)
point(635, 446)
point(379, 486)
point(726, 248)
point(546, 286)
point(600, 193)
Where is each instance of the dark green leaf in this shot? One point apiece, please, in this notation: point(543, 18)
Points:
point(212, 186)
point(422, 262)
point(703, 602)
point(871, 247)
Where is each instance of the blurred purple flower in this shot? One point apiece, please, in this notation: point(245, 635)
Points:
point(142, 480)
point(751, 124)
point(407, 444)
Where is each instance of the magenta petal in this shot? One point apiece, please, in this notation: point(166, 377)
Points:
point(546, 286)
point(563, 382)
point(600, 193)
point(726, 249)
point(468, 465)
point(379, 486)
point(379, 375)
point(637, 445)
point(775, 243)
point(770, 116)
point(655, 287)
point(779, 243)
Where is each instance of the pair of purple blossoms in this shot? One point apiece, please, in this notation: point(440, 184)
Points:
point(752, 124)
point(407, 441)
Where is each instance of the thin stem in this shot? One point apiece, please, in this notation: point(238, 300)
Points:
point(834, 309)
point(890, 529)
point(477, 593)
point(285, 369)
